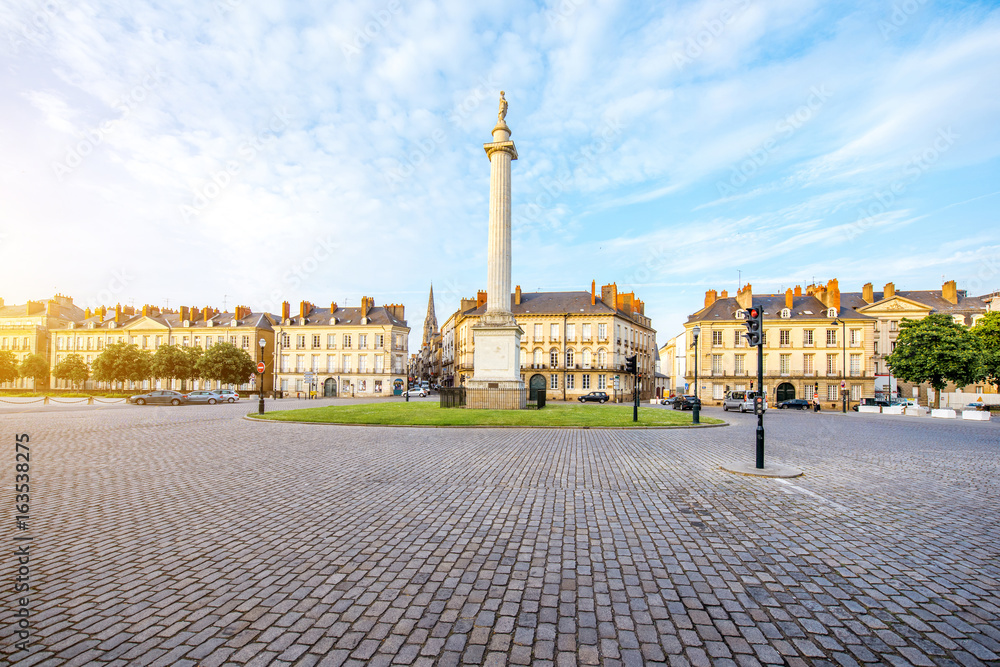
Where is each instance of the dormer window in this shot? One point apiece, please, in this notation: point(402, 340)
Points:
point(831, 313)
point(187, 323)
point(786, 313)
point(234, 323)
point(740, 314)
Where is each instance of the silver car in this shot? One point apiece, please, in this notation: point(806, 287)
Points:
point(230, 395)
point(209, 397)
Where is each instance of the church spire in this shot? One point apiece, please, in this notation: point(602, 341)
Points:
point(430, 322)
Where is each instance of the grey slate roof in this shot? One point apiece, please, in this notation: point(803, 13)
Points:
point(552, 303)
point(378, 315)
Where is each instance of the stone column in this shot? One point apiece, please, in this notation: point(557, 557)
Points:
point(500, 153)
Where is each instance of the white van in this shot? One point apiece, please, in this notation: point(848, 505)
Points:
point(739, 400)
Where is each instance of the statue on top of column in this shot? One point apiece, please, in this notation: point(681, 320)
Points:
point(503, 108)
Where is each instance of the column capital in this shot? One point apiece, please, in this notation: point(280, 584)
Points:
point(505, 146)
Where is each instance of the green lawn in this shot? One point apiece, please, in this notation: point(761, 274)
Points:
point(429, 414)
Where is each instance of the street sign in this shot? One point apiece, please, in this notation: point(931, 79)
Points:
point(260, 366)
point(842, 384)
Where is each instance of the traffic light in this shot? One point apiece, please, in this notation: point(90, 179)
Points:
point(754, 322)
point(630, 366)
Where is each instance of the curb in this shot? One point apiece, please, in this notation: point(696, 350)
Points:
point(520, 426)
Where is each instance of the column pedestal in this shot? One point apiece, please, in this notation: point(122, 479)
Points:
point(497, 383)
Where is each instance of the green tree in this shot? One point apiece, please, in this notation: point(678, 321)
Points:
point(936, 350)
point(227, 364)
point(36, 367)
point(176, 362)
point(987, 334)
point(72, 368)
point(121, 362)
point(8, 366)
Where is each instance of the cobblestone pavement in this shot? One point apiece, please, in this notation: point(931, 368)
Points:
point(188, 536)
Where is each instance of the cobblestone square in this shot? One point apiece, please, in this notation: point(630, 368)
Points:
point(189, 536)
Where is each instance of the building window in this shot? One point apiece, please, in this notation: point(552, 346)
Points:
point(586, 382)
point(347, 341)
point(892, 325)
point(855, 392)
point(536, 357)
point(331, 363)
point(717, 338)
point(808, 367)
point(810, 392)
point(602, 331)
point(586, 332)
point(379, 341)
point(855, 337)
point(286, 340)
point(553, 381)
point(831, 392)
point(331, 341)
point(538, 332)
point(587, 358)
point(716, 364)
point(831, 337)
point(284, 363)
point(315, 341)
point(741, 364)
point(602, 382)
point(784, 337)
point(876, 347)
point(831, 364)
point(718, 392)
point(785, 364)
point(346, 364)
point(570, 332)
point(855, 365)
point(379, 363)
point(300, 342)
point(197, 341)
point(362, 363)
point(569, 381)
point(602, 358)
point(738, 338)
point(807, 337)
point(315, 363)
point(554, 359)
point(553, 332)
point(298, 385)
point(362, 341)
point(569, 358)
point(300, 363)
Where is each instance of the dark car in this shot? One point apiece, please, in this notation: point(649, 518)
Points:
point(159, 397)
point(795, 404)
point(686, 402)
point(594, 397)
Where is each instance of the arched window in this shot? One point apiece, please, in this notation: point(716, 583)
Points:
point(831, 313)
point(602, 358)
point(586, 358)
point(569, 358)
point(554, 358)
point(786, 313)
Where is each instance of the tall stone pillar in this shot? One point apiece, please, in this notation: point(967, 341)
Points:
point(497, 338)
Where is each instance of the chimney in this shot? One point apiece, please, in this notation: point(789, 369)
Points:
point(86, 313)
point(480, 299)
point(949, 293)
point(182, 314)
point(788, 298)
point(52, 309)
point(284, 310)
point(711, 296)
point(367, 303)
point(833, 294)
point(798, 290)
point(104, 312)
point(625, 302)
point(724, 294)
point(593, 292)
point(609, 295)
point(145, 310)
point(195, 314)
point(468, 304)
point(128, 310)
point(333, 307)
point(745, 296)
point(118, 313)
point(639, 306)
point(889, 291)
point(867, 293)
point(517, 295)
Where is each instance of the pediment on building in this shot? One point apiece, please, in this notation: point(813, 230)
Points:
point(895, 306)
point(145, 322)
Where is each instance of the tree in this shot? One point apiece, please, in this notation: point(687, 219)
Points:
point(72, 368)
point(227, 364)
point(987, 334)
point(8, 366)
point(936, 350)
point(121, 362)
point(176, 362)
point(36, 367)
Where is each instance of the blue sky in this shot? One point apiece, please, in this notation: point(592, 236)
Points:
point(243, 152)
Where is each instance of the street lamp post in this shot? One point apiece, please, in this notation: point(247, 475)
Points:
point(260, 387)
point(696, 410)
point(843, 365)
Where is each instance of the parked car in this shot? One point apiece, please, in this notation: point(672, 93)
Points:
point(204, 396)
point(795, 404)
point(668, 401)
point(880, 402)
point(415, 391)
point(686, 402)
point(229, 395)
point(159, 397)
point(739, 400)
point(594, 397)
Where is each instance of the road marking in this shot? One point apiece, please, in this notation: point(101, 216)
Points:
point(807, 492)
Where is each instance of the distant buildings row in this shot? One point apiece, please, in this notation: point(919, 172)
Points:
point(817, 342)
